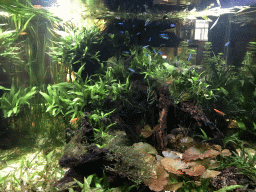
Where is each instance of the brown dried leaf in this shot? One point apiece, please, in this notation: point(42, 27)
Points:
point(210, 173)
point(159, 180)
point(195, 169)
point(232, 124)
point(193, 154)
point(217, 147)
point(226, 153)
point(173, 165)
point(211, 153)
point(147, 131)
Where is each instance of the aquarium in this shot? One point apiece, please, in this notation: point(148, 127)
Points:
point(111, 95)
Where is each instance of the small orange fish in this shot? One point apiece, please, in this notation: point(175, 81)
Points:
point(219, 112)
point(73, 120)
point(38, 6)
point(23, 33)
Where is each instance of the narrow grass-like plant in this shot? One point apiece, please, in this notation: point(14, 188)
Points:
point(38, 173)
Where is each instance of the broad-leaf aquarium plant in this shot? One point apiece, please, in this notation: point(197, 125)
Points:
point(107, 97)
point(14, 100)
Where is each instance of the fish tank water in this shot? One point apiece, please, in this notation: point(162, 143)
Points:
point(154, 95)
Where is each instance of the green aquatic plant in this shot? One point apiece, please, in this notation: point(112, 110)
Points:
point(39, 172)
point(12, 101)
point(74, 46)
point(246, 103)
point(72, 99)
point(32, 24)
point(97, 119)
point(244, 161)
point(189, 83)
point(147, 60)
point(95, 184)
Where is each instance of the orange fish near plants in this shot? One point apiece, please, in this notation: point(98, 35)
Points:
point(38, 6)
point(219, 112)
point(23, 33)
point(73, 120)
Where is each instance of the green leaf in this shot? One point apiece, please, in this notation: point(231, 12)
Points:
point(47, 97)
point(9, 113)
point(194, 79)
point(111, 35)
point(70, 111)
point(5, 100)
point(85, 50)
point(241, 125)
point(242, 82)
point(49, 109)
point(67, 101)
point(89, 179)
point(27, 96)
point(80, 71)
point(3, 88)
point(229, 188)
point(14, 99)
point(80, 184)
point(76, 93)
point(224, 91)
point(15, 110)
point(49, 156)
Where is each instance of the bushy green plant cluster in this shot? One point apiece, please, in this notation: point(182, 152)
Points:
point(10, 53)
point(246, 102)
point(12, 102)
point(187, 81)
point(73, 99)
point(149, 62)
point(74, 47)
point(218, 85)
point(235, 90)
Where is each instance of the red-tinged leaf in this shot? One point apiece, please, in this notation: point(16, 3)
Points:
point(173, 165)
point(195, 171)
point(226, 153)
point(173, 186)
point(159, 178)
point(193, 154)
point(210, 174)
point(211, 153)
